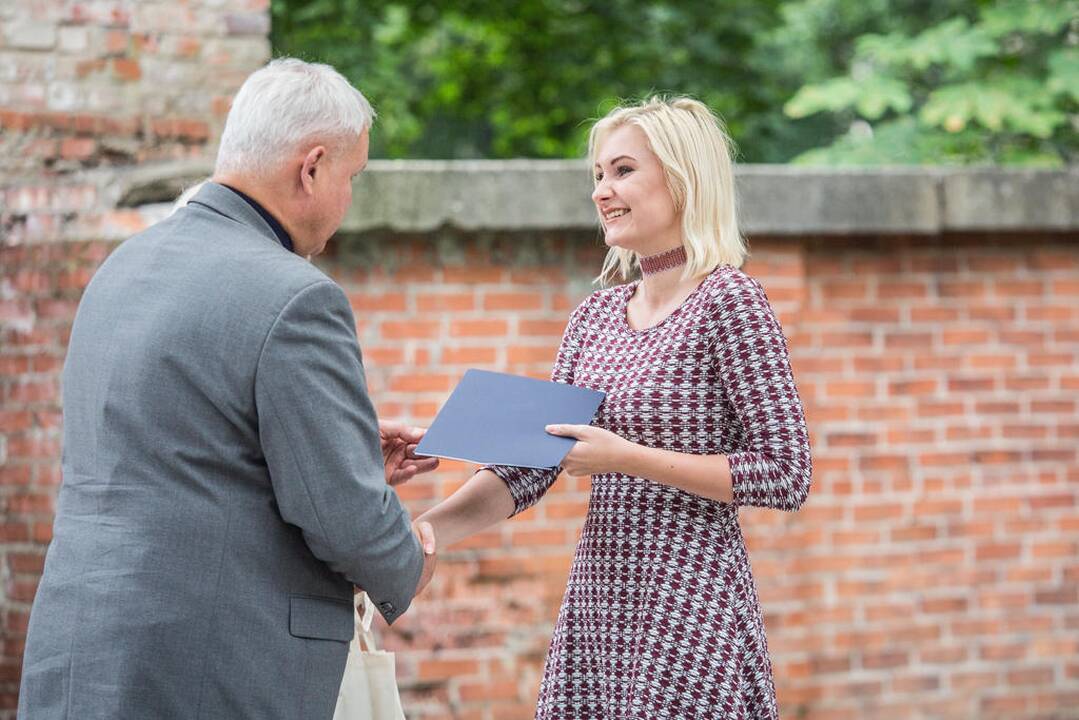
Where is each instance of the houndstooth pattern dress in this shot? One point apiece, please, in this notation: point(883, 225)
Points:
point(660, 618)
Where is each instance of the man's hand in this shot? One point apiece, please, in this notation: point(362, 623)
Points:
point(398, 445)
point(426, 534)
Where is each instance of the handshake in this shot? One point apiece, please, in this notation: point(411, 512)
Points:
point(398, 447)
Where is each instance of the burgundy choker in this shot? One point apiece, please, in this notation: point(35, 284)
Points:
point(666, 260)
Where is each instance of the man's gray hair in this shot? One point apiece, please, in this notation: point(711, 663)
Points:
point(284, 104)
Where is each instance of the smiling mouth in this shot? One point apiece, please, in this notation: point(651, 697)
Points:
point(616, 213)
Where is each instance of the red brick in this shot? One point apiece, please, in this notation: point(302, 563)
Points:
point(527, 354)
point(844, 290)
point(126, 69)
point(478, 328)
point(1050, 313)
point(1069, 286)
point(384, 356)
point(117, 42)
point(422, 383)
point(192, 130)
point(933, 314)
point(447, 669)
point(899, 340)
point(901, 290)
point(409, 330)
point(78, 148)
point(473, 275)
point(513, 301)
point(1018, 288)
point(12, 474)
point(489, 691)
point(468, 355)
point(445, 302)
point(964, 289)
point(548, 328)
point(927, 386)
point(1031, 676)
point(998, 551)
point(850, 389)
point(370, 302)
point(840, 340)
point(23, 563)
point(29, 504)
point(885, 660)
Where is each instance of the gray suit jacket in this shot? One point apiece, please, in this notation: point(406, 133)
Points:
point(223, 486)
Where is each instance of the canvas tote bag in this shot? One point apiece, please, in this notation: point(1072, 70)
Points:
point(369, 687)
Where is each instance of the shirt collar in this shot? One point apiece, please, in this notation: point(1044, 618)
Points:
point(279, 230)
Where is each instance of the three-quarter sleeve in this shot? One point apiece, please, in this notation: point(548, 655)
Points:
point(773, 466)
point(528, 485)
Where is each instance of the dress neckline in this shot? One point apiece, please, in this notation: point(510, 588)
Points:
point(630, 288)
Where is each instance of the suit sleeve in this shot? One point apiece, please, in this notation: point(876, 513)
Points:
point(319, 434)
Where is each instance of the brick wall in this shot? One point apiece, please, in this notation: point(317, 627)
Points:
point(934, 571)
point(89, 86)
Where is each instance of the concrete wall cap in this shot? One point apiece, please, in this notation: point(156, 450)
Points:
point(508, 195)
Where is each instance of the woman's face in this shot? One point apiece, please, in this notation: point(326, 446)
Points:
point(631, 195)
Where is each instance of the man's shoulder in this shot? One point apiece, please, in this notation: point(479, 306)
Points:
point(240, 252)
point(199, 259)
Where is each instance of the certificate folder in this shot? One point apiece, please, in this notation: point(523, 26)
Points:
point(498, 419)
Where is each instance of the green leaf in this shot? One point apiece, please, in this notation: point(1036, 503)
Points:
point(906, 142)
point(831, 95)
point(1017, 104)
point(879, 94)
point(1064, 72)
point(886, 50)
point(871, 97)
point(1044, 17)
point(952, 43)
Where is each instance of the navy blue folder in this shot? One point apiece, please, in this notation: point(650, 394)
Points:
point(499, 419)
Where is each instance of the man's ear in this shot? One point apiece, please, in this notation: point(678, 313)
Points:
point(312, 162)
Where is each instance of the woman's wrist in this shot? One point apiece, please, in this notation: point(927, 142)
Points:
point(633, 459)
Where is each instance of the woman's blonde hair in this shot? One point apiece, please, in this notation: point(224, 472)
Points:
point(695, 151)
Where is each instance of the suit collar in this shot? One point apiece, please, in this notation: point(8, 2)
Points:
point(232, 205)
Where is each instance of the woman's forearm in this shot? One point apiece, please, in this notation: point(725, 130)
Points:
point(705, 475)
point(481, 502)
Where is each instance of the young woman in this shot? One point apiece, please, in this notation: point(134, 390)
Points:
point(660, 618)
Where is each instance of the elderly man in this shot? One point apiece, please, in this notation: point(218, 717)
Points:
point(225, 483)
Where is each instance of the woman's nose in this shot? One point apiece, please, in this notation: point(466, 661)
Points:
point(601, 191)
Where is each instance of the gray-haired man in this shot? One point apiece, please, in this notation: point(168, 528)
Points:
point(225, 485)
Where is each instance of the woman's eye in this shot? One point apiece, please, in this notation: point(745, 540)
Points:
point(598, 177)
point(624, 170)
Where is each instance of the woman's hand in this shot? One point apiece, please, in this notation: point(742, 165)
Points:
point(425, 533)
point(597, 450)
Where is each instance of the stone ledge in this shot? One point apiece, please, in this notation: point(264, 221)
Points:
point(774, 199)
point(508, 195)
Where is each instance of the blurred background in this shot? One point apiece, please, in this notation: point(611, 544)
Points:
point(804, 81)
point(908, 185)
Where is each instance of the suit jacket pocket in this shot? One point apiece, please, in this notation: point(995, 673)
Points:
point(321, 618)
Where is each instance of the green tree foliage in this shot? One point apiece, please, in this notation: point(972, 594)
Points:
point(1001, 86)
point(523, 77)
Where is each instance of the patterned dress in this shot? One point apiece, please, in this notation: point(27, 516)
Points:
point(660, 618)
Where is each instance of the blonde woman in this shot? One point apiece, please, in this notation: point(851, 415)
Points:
point(660, 618)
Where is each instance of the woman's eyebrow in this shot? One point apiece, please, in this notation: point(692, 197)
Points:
point(612, 161)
